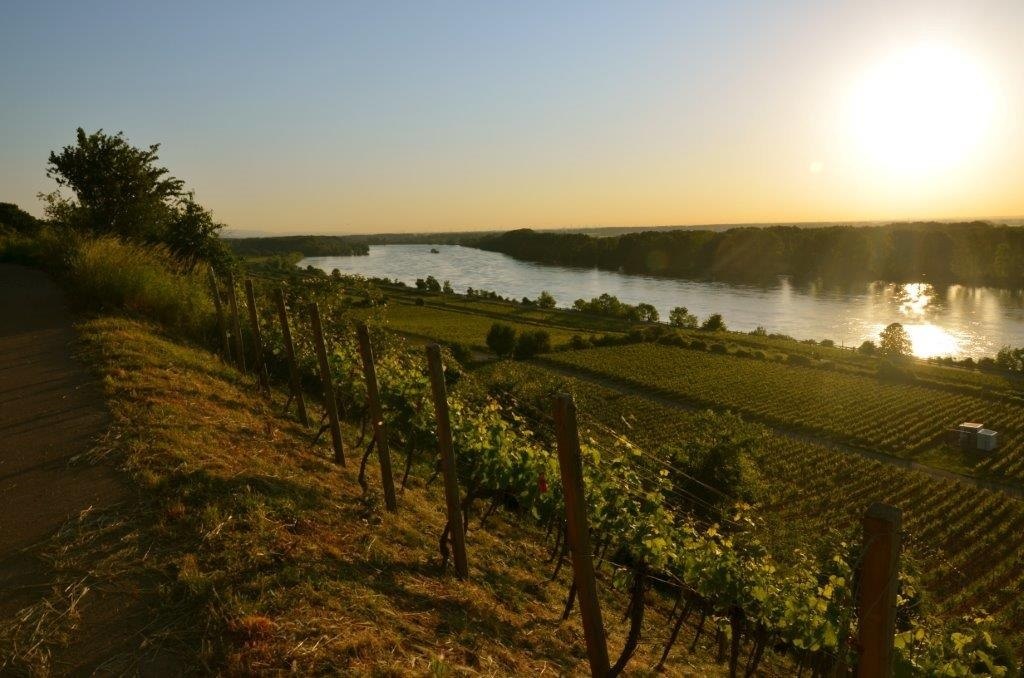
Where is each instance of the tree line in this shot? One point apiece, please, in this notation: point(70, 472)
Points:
point(976, 253)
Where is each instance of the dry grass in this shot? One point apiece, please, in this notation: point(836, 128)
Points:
point(248, 551)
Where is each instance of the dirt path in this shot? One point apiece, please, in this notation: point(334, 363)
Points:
point(51, 410)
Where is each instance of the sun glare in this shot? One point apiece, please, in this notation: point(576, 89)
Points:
point(921, 111)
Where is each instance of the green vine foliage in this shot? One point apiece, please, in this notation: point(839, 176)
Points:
point(636, 517)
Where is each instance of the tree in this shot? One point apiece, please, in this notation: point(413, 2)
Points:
point(647, 313)
point(714, 323)
point(680, 316)
point(867, 348)
point(545, 300)
point(446, 288)
point(530, 344)
point(715, 467)
point(120, 190)
point(894, 341)
point(501, 339)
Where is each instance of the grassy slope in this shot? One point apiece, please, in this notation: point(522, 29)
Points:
point(252, 552)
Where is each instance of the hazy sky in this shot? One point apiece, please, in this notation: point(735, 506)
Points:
point(335, 117)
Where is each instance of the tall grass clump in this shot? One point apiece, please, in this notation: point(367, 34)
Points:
point(143, 281)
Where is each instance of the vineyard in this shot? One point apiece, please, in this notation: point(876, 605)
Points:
point(902, 419)
point(965, 541)
point(651, 532)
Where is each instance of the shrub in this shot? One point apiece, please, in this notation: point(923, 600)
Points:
point(698, 345)
point(798, 359)
point(719, 348)
point(461, 352)
point(530, 344)
point(501, 339)
point(867, 348)
point(576, 342)
point(714, 323)
point(743, 353)
point(419, 301)
point(760, 355)
point(827, 342)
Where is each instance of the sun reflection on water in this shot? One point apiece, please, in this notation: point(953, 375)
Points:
point(913, 303)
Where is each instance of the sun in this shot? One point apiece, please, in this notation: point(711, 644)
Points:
point(920, 111)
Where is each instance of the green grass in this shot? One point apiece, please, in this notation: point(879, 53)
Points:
point(446, 325)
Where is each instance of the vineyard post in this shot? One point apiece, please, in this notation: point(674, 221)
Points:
point(236, 325)
point(879, 578)
point(330, 403)
point(578, 532)
point(289, 352)
point(221, 322)
point(445, 449)
point(377, 414)
point(257, 335)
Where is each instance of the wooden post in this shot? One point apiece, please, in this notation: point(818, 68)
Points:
point(257, 335)
point(578, 532)
point(377, 413)
point(447, 453)
point(289, 352)
point(330, 403)
point(236, 325)
point(879, 579)
point(221, 322)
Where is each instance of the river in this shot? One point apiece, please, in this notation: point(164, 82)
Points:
point(955, 320)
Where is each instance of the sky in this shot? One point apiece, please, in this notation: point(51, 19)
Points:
point(398, 117)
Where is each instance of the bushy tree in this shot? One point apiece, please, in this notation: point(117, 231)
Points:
point(446, 288)
point(647, 313)
point(545, 300)
point(714, 323)
point(121, 190)
point(680, 316)
point(1011, 359)
point(867, 348)
point(501, 339)
point(894, 341)
point(530, 344)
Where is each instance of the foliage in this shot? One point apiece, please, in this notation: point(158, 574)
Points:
point(501, 339)
point(18, 220)
point(681, 317)
point(977, 252)
point(120, 190)
point(894, 341)
point(429, 284)
point(530, 343)
point(307, 245)
point(545, 300)
point(713, 323)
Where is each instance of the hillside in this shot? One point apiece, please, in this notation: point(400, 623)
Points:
point(251, 551)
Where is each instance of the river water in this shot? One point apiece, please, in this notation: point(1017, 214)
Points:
point(956, 320)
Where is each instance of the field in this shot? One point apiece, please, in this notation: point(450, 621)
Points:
point(902, 419)
point(965, 541)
